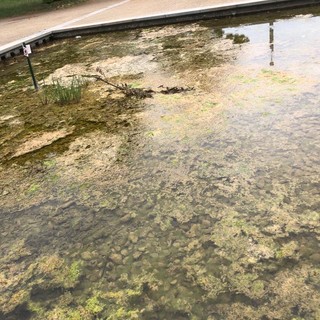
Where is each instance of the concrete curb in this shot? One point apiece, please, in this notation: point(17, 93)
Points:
point(14, 48)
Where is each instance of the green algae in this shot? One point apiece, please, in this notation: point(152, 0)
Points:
point(48, 273)
point(93, 305)
point(33, 189)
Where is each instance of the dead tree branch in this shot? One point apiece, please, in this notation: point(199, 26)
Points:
point(140, 93)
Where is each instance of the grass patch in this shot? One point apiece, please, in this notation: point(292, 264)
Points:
point(10, 8)
point(62, 94)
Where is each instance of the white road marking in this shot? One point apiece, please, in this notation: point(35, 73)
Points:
point(89, 15)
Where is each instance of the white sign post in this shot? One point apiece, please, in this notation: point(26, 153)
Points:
point(26, 52)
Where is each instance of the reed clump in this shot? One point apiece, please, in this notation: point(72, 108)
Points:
point(61, 93)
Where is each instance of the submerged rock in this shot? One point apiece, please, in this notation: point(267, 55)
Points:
point(36, 142)
point(133, 237)
point(87, 256)
point(116, 258)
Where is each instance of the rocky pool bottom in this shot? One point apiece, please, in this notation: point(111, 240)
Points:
point(196, 205)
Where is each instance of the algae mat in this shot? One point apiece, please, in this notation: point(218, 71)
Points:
point(202, 204)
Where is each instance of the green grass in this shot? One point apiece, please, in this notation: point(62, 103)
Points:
point(62, 94)
point(66, 94)
point(10, 8)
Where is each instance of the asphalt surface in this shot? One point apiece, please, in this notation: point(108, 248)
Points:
point(97, 11)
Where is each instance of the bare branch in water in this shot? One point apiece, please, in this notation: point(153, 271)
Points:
point(139, 93)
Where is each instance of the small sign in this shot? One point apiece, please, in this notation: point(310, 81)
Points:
point(27, 50)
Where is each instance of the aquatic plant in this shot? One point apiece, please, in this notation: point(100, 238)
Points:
point(93, 305)
point(73, 273)
point(36, 308)
point(44, 96)
point(237, 38)
point(123, 314)
point(59, 313)
point(60, 93)
point(56, 272)
point(67, 94)
point(113, 305)
point(33, 189)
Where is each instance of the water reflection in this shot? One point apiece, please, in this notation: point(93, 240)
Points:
point(271, 41)
point(293, 37)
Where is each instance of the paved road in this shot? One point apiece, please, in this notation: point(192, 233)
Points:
point(97, 11)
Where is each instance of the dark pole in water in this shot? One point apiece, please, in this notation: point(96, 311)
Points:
point(26, 53)
point(271, 41)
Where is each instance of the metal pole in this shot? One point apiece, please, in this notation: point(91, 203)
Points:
point(34, 81)
point(271, 41)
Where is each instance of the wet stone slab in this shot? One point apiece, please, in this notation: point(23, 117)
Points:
point(203, 204)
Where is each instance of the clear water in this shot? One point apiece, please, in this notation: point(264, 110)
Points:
point(199, 205)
